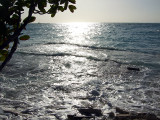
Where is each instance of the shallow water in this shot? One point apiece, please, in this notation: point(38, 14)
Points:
point(65, 66)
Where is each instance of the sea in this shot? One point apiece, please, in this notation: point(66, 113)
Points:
point(67, 66)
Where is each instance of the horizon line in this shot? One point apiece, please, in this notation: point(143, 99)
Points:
point(96, 22)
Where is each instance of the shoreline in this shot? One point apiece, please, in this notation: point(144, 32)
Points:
point(83, 113)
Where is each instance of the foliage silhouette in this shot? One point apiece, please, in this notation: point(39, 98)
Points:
point(12, 24)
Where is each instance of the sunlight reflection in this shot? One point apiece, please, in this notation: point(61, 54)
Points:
point(79, 32)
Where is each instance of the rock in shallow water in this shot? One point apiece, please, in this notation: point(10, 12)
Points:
point(133, 68)
point(94, 93)
point(121, 111)
point(90, 111)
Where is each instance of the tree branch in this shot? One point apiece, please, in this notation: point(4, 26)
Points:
point(14, 37)
point(18, 31)
point(14, 47)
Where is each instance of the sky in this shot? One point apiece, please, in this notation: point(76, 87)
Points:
point(137, 11)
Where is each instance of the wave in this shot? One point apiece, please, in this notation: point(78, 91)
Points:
point(87, 46)
point(105, 48)
point(138, 63)
point(69, 54)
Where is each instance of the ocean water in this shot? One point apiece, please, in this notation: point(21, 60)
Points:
point(65, 66)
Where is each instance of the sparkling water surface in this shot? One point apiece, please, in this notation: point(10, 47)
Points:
point(65, 66)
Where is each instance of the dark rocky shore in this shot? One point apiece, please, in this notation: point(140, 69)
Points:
point(119, 114)
point(83, 114)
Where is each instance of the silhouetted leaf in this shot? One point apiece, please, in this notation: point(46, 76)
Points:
point(72, 8)
point(2, 58)
point(24, 37)
point(3, 52)
point(61, 8)
point(32, 19)
point(15, 16)
point(52, 15)
point(42, 5)
point(53, 10)
point(62, 1)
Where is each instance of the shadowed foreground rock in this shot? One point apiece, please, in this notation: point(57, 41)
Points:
point(90, 112)
point(120, 114)
point(84, 114)
point(75, 117)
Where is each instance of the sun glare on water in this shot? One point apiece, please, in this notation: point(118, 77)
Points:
point(79, 32)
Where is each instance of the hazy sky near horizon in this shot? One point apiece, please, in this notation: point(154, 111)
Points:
point(109, 11)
